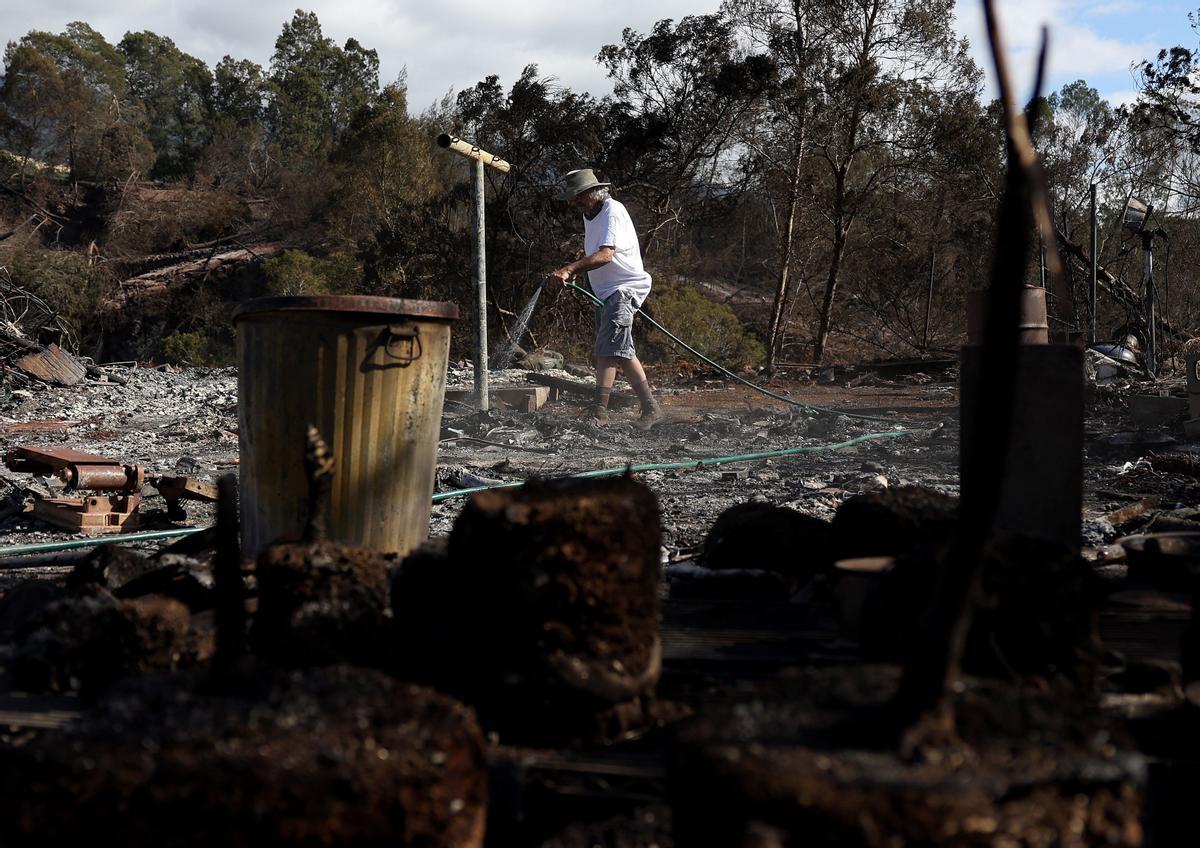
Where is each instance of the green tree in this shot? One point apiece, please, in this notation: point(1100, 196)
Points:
point(891, 65)
point(240, 155)
point(93, 123)
point(680, 93)
point(387, 178)
point(317, 87)
point(175, 90)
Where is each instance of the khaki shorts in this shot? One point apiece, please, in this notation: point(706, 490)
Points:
point(614, 326)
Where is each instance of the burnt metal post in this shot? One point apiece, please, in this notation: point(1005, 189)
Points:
point(1095, 245)
point(1151, 330)
point(928, 302)
point(479, 158)
point(478, 251)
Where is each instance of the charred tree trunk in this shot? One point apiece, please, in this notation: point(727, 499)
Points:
point(785, 257)
point(840, 230)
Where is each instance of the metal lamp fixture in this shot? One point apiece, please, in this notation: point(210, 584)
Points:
point(1136, 215)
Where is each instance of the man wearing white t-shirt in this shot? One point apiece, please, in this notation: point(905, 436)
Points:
point(613, 262)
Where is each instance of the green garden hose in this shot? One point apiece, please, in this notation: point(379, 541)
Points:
point(51, 547)
point(743, 380)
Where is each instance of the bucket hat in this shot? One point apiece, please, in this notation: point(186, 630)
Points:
point(577, 182)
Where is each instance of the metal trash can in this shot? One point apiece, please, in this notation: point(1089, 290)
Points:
point(370, 374)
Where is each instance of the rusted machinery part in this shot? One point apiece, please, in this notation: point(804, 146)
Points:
point(103, 478)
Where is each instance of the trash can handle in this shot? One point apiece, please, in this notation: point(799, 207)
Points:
point(410, 333)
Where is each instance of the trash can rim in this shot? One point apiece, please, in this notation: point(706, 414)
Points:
point(439, 310)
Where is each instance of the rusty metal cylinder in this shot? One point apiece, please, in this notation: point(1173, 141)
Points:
point(370, 374)
point(103, 478)
point(1034, 324)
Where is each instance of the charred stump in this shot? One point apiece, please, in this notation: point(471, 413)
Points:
point(544, 612)
point(321, 602)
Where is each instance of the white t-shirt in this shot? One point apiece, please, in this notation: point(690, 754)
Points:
point(613, 226)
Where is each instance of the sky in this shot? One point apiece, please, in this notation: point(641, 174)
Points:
point(452, 44)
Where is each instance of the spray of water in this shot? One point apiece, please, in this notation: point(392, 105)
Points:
point(504, 359)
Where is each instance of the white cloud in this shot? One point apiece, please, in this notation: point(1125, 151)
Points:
point(1115, 7)
point(455, 43)
point(1077, 50)
point(444, 44)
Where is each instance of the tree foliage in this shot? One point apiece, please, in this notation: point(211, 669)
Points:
point(828, 167)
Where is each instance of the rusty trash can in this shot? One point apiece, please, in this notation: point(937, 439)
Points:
point(370, 374)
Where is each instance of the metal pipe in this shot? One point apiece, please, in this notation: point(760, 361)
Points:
point(1151, 335)
point(465, 148)
point(478, 249)
point(1095, 239)
point(928, 301)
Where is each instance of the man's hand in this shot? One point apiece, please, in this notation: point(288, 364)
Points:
point(557, 279)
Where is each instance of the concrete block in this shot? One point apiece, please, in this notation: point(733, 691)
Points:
point(524, 398)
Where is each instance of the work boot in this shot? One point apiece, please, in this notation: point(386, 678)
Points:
point(599, 414)
point(651, 414)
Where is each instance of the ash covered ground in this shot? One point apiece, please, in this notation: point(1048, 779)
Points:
point(185, 423)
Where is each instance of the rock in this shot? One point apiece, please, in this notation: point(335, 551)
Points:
point(763, 536)
point(542, 360)
point(1097, 531)
point(892, 521)
point(129, 574)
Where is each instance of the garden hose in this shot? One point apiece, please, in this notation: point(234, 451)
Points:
point(52, 547)
point(814, 407)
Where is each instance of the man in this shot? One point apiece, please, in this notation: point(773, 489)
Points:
point(613, 262)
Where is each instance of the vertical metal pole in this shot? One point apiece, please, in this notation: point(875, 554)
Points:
point(481, 363)
point(1151, 334)
point(928, 302)
point(1095, 247)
